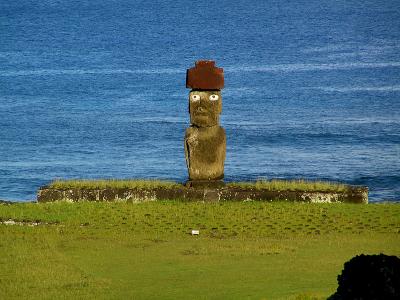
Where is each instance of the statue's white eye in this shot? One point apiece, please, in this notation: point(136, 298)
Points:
point(214, 97)
point(195, 97)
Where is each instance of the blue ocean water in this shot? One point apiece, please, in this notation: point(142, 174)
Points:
point(96, 89)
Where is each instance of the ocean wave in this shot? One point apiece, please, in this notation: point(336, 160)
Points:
point(313, 67)
point(327, 48)
point(362, 121)
point(55, 72)
point(391, 88)
point(258, 125)
point(232, 91)
point(230, 69)
point(384, 46)
point(343, 55)
point(169, 120)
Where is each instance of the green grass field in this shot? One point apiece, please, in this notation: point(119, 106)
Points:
point(245, 250)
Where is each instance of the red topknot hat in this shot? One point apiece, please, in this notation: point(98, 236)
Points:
point(205, 76)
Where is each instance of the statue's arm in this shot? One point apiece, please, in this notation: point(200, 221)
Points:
point(187, 134)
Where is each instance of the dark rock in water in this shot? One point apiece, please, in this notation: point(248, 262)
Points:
point(5, 202)
point(369, 277)
point(205, 152)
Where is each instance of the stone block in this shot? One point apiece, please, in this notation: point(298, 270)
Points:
point(205, 150)
point(205, 76)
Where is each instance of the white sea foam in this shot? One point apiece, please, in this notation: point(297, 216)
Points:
point(233, 91)
point(173, 120)
point(391, 88)
point(55, 72)
point(247, 124)
point(342, 55)
point(365, 52)
point(328, 48)
point(232, 69)
point(379, 47)
point(313, 67)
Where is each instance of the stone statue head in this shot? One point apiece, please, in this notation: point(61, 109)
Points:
point(205, 107)
point(205, 100)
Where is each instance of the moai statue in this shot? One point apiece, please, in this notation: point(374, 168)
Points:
point(205, 140)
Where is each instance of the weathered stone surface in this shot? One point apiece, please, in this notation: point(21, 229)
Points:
point(213, 184)
point(205, 152)
point(205, 140)
point(46, 194)
point(352, 195)
point(205, 76)
point(205, 108)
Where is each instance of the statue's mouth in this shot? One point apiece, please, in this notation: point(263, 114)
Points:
point(201, 111)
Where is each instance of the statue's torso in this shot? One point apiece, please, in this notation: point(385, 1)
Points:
point(205, 152)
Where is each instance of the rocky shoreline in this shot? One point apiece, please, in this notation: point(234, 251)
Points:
point(5, 202)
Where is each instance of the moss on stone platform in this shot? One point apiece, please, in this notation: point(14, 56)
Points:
point(154, 190)
point(112, 184)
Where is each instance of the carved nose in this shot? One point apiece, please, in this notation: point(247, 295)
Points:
point(200, 109)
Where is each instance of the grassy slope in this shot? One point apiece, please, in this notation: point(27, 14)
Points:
point(248, 250)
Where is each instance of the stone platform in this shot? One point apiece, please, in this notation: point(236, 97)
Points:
point(354, 194)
